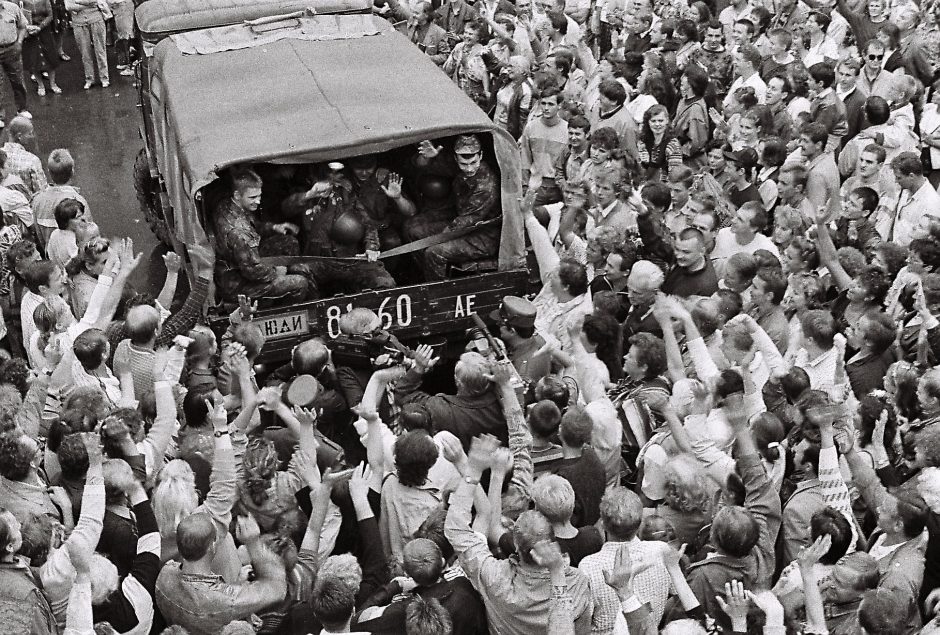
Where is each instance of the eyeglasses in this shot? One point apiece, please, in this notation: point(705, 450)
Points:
point(872, 56)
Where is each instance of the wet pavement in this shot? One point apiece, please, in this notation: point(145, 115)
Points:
point(100, 128)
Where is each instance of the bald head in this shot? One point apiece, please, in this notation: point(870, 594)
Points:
point(142, 324)
point(423, 561)
point(310, 357)
point(645, 276)
point(195, 536)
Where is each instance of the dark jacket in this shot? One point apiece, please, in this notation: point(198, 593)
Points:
point(464, 416)
point(457, 596)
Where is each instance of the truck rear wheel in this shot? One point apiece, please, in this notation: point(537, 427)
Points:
point(148, 195)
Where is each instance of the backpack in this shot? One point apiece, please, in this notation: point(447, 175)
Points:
point(23, 607)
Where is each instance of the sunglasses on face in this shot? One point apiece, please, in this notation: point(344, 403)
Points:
point(873, 56)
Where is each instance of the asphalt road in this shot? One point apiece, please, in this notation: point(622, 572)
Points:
point(100, 128)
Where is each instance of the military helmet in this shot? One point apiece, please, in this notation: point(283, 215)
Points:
point(347, 230)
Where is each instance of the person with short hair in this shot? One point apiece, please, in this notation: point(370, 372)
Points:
point(822, 180)
point(543, 142)
point(61, 168)
point(747, 61)
point(744, 235)
point(918, 203)
point(516, 320)
point(513, 590)
point(239, 266)
point(21, 161)
point(621, 513)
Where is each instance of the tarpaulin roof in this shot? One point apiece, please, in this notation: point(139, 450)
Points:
point(158, 18)
point(305, 101)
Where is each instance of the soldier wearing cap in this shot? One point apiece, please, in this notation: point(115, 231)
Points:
point(516, 319)
point(476, 195)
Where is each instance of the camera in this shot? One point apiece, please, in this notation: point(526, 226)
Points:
point(385, 350)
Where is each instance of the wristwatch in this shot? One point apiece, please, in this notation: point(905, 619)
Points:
point(470, 480)
point(220, 433)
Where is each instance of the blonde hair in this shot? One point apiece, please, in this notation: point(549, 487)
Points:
point(687, 485)
point(175, 496)
point(472, 371)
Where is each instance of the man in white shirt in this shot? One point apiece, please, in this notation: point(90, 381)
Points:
point(742, 236)
point(918, 204)
point(747, 61)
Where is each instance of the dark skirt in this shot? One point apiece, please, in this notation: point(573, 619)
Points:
point(40, 47)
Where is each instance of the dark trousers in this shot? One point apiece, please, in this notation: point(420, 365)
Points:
point(11, 59)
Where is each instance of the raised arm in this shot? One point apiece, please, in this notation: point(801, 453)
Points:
point(520, 437)
point(469, 545)
point(90, 519)
point(827, 252)
point(545, 253)
point(222, 485)
point(673, 353)
point(270, 583)
point(171, 261)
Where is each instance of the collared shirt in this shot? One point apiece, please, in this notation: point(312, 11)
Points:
point(822, 179)
point(553, 317)
point(754, 81)
point(914, 211)
point(822, 370)
point(652, 586)
point(880, 85)
point(204, 604)
point(518, 597)
point(27, 166)
point(11, 21)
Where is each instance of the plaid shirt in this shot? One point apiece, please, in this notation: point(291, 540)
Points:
point(27, 166)
point(652, 586)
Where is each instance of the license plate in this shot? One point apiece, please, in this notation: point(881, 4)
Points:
point(284, 325)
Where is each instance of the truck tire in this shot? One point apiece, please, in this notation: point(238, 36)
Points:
point(148, 196)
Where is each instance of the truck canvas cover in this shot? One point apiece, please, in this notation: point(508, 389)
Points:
point(302, 100)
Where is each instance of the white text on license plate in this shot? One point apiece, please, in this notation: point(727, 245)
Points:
point(284, 325)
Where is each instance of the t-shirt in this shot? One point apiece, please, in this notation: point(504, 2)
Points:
point(587, 477)
point(684, 283)
point(726, 245)
point(587, 541)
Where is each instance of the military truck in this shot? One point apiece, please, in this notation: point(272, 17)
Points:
point(217, 90)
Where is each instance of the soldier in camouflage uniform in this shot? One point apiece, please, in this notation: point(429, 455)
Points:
point(476, 194)
point(239, 238)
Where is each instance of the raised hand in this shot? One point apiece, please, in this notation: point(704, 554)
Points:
point(307, 466)
point(306, 416)
point(547, 554)
point(451, 448)
point(503, 372)
point(482, 449)
point(767, 602)
point(269, 397)
point(218, 416)
point(92, 448)
point(501, 461)
point(424, 357)
point(359, 482)
point(810, 555)
point(735, 604)
point(428, 150)
point(392, 188)
point(172, 262)
point(247, 530)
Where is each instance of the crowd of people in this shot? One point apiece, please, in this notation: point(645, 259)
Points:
point(720, 411)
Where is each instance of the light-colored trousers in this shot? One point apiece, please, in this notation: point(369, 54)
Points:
point(91, 41)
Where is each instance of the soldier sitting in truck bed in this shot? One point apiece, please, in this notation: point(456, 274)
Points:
point(239, 235)
point(374, 188)
point(476, 193)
